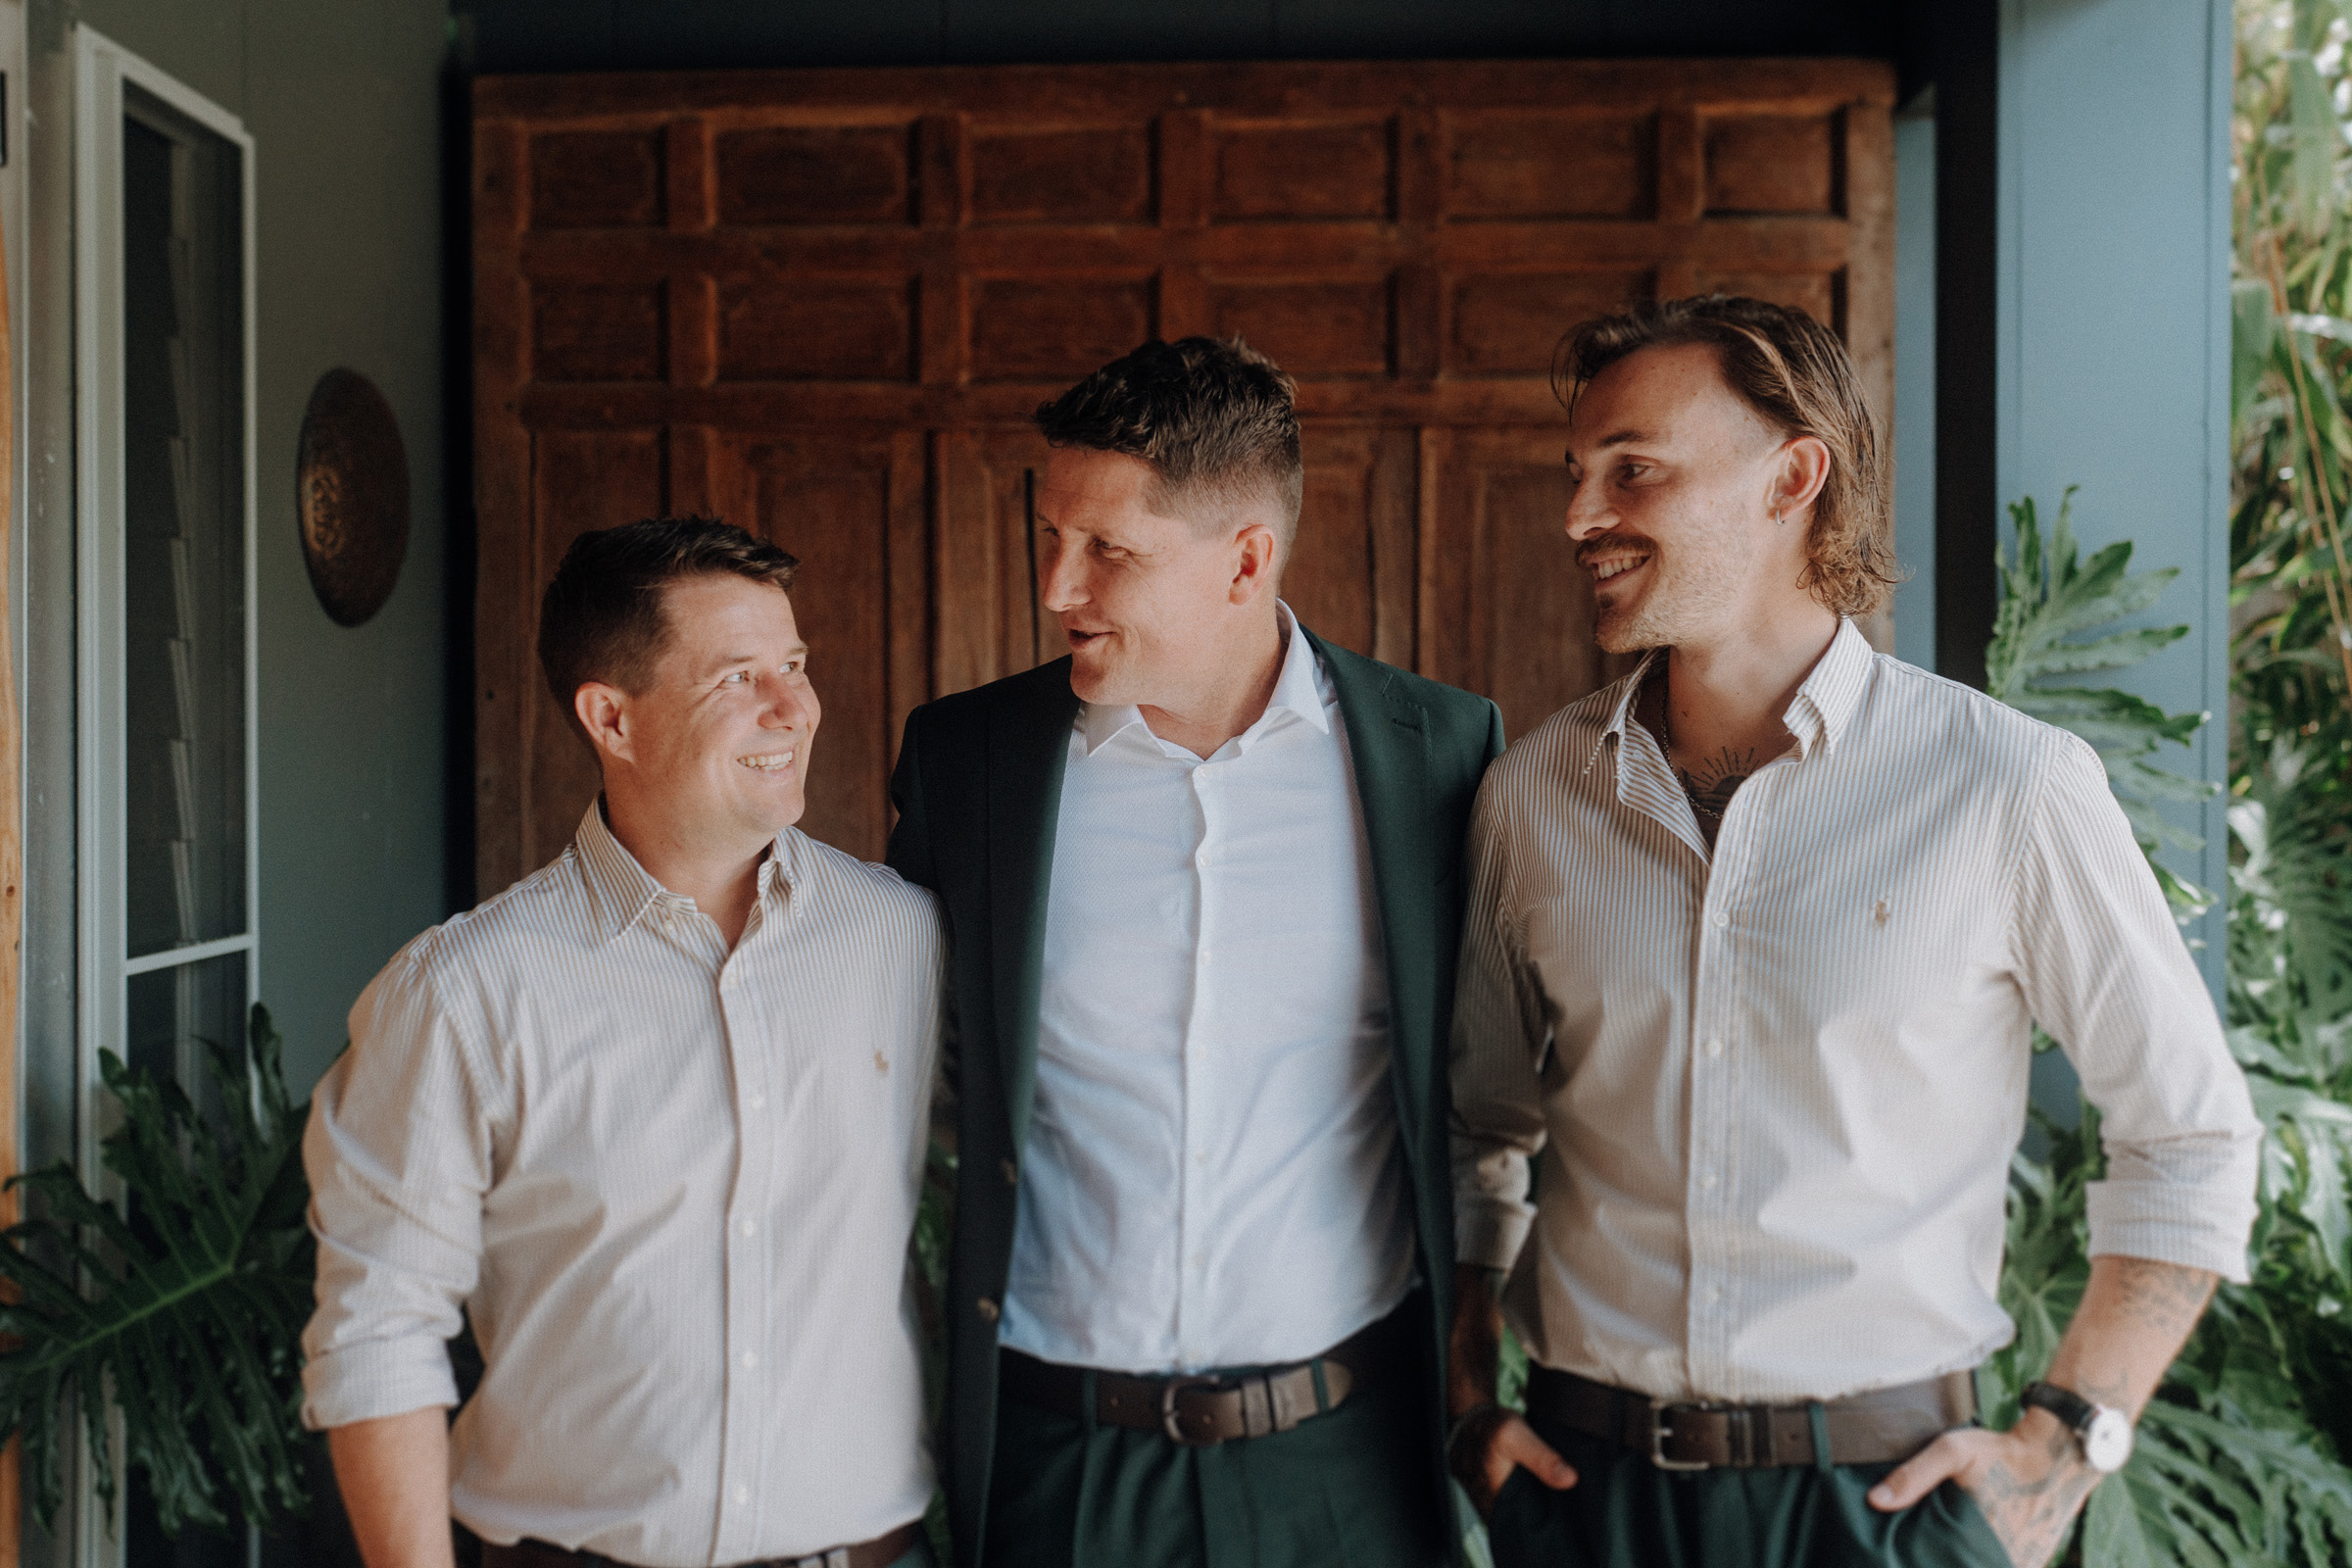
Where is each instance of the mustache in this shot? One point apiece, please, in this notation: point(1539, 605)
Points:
point(1600, 545)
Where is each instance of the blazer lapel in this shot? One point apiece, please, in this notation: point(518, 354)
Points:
point(1388, 749)
point(1028, 753)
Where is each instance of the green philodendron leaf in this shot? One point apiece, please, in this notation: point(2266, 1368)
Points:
point(2232, 1468)
point(186, 1312)
point(2050, 597)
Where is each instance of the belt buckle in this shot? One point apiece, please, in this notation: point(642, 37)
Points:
point(1168, 1422)
point(1659, 1431)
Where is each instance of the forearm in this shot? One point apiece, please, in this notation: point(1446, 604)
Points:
point(1474, 1355)
point(394, 1477)
point(2134, 1317)
point(2030, 1481)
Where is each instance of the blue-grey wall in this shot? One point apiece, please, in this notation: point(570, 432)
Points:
point(343, 102)
point(2113, 328)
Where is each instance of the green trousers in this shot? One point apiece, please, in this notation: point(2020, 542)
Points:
point(1353, 1487)
point(1625, 1512)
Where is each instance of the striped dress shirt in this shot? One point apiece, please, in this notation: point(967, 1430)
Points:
point(1775, 1086)
point(672, 1187)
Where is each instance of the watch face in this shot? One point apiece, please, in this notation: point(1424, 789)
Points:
point(2107, 1440)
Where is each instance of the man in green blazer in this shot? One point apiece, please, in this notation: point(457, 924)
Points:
point(1203, 884)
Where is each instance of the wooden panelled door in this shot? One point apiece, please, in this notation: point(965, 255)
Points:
point(824, 304)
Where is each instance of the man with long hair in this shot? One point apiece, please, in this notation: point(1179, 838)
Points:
point(1757, 939)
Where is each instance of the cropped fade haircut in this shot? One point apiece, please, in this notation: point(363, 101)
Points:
point(1794, 373)
point(601, 618)
point(1213, 417)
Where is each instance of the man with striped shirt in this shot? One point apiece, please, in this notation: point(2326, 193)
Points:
point(1756, 939)
point(653, 1120)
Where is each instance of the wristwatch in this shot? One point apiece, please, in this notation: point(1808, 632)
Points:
point(2101, 1431)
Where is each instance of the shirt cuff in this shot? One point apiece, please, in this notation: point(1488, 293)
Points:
point(2185, 1226)
point(1488, 1232)
point(374, 1379)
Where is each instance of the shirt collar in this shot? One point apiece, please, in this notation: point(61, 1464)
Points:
point(1298, 689)
point(622, 889)
point(1816, 715)
point(1824, 704)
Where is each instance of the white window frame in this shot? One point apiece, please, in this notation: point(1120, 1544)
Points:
point(101, 68)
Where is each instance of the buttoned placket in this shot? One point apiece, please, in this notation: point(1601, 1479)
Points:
point(1191, 1254)
point(1709, 1187)
point(749, 1329)
point(1712, 1197)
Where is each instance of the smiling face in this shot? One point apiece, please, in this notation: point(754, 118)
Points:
point(1678, 483)
point(716, 744)
point(1151, 606)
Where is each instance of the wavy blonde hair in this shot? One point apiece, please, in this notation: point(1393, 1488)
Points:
point(1796, 375)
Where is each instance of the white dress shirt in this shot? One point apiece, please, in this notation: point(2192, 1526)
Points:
point(670, 1185)
point(1212, 1177)
point(1776, 1088)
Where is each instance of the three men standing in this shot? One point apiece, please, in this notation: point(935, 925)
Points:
point(1754, 944)
point(1202, 883)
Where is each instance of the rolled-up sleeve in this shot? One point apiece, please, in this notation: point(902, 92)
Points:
point(399, 1156)
point(2105, 972)
point(1499, 1035)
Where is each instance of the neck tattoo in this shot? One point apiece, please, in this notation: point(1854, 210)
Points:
point(1710, 784)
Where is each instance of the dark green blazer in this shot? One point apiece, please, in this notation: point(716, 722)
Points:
point(978, 789)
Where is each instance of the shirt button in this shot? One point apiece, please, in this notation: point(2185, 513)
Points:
point(757, 1102)
point(1722, 920)
point(1012, 1173)
point(986, 1309)
point(750, 1359)
point(743, 1494)
point(1200, 1157)
point(1201, 859)
point(751, 1227)
point(1208, 954)
point(1200, 1261)
point(1714, 1294)
point(1715, 1048)
point(1707, 1181)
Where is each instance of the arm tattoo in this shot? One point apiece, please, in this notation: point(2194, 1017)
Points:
point(2031, 1513)
point(2162, 1298)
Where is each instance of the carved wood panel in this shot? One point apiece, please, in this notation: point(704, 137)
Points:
point(824, 304)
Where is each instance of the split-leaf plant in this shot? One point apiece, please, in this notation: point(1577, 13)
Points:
point(2239, 1459)
point(184, 1309)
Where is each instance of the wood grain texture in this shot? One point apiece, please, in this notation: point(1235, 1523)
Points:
point(826, 303)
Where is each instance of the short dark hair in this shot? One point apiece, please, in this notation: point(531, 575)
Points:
point(1794, 373)
point(1215, 419)
point(601, 618)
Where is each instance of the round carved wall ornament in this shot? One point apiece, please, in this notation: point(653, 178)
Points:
point(351, 495)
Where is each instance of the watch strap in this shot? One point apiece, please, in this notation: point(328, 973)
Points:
point(2064, 1404)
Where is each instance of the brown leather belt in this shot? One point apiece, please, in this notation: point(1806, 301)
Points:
point(1880, 1427)
point(1198, 1410)
point(879, 1552)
